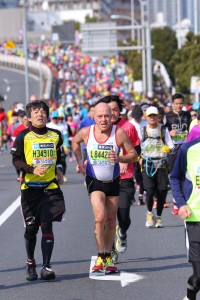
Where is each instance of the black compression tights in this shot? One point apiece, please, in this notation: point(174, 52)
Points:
point(47, 242)
point(194, 282)
point(123, 216)
point(161, 195)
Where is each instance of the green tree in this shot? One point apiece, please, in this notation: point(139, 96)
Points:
point(89, 19)
point(186, 63)
point(165, 46)
point(133, 59)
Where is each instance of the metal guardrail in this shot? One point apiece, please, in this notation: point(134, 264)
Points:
point(34, 67)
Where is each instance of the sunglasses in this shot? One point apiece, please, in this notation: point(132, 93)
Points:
point(194, 115)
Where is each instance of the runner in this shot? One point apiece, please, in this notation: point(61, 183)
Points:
point(56, 124)
point(185, 186)
point(103, 141)
point(155, 144)
point(177, 122)
point(36, 152)
point(127, 187)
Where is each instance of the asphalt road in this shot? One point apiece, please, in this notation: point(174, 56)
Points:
point(157, 256)
point(12, 85)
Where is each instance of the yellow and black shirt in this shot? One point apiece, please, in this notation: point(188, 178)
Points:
point(37, 146)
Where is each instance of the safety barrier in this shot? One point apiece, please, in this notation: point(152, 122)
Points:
point(34, 67)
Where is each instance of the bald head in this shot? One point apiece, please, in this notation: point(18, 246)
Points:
point(102, 116)
point(102, 107)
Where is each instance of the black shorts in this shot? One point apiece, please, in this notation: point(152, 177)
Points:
point(44, 205)
point(126, 193)
point(193, 241)
point(109, 188)
point(159, 181)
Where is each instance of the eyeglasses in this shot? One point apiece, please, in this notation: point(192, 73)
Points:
point(194, 115)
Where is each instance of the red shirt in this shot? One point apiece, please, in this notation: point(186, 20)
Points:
point(18, 129)
point(133, 136)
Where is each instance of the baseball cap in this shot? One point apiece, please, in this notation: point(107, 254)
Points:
point(137, 112)
point(152, 110)
point(54, 114)
point(144, 106)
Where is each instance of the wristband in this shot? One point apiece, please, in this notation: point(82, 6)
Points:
point(59, 167)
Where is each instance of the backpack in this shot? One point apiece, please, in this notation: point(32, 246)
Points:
point(145, 134)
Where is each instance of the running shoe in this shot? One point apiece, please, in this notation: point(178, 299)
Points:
point(99, 265)
point(47, 273)
point(114, 256)
point(174, 209)
point(166, 205)
point(109, 265)
point(149, 220)
point(31, 273)
point(185, 298)
point(158, 223)
point(140, 201)
point(121, 241)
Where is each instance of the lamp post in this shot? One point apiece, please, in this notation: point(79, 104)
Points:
point(114, 17)
point(25, 52)
point(195, 17)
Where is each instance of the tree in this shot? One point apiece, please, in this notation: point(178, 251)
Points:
point(133, 59)
point(186, 63)
point(89, 19)
point(165, 46)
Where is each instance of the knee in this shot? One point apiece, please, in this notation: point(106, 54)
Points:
point(100, 218)
point(31, 231)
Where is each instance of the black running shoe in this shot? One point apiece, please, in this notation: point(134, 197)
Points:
point(47, 273)
point(31, 273)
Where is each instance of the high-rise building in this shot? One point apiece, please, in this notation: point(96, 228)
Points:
point(8, 3)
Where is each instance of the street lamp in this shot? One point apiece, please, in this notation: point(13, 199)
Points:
point(114, 17)
point(25, 52)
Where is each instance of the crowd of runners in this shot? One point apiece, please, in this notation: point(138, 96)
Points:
point(122, 143)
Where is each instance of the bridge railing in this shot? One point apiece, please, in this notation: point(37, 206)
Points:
point(34, 67)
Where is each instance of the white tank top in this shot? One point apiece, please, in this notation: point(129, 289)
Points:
point(98, 165)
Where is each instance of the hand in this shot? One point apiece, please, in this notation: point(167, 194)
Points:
point(113, 156)
point(39, 170)
point(173, 132)
point(59, 174)
point(184, 212)
point(123, 168)
point(81, 167)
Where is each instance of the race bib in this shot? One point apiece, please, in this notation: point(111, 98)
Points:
point(44, 154)
point(99, 155)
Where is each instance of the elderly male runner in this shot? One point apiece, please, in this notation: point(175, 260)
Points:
point(103, 141)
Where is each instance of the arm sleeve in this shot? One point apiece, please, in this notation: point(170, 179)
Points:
point(178, 176)
point(17, 152)
point(58, 149)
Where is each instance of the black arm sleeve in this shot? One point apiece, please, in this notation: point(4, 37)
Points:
point(21, 165)
point(58, 149)
point(138, 149)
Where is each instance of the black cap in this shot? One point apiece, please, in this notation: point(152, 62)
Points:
point(137, 112)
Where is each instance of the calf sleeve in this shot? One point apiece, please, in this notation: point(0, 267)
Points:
point(47, 242)
point(30, 240)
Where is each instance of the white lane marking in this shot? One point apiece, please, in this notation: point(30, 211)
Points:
point(10, 210)
point(125, 277)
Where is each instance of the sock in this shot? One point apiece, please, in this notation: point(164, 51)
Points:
point(102, 255)
point(107, 254)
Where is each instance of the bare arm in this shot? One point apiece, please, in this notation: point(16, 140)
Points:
point(80, 137)
point(123, 142)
